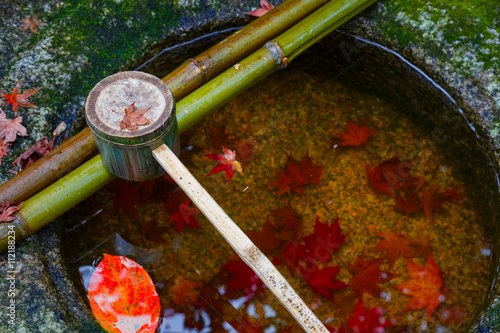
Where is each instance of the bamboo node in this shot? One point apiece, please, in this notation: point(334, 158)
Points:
point(278, 53)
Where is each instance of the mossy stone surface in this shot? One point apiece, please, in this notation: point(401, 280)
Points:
point(455, 42)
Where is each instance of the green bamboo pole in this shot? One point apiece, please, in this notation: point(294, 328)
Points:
point(189, 76)
point(249, 71)
point(70, 190)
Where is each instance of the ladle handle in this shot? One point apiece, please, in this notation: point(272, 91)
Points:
point(243, 246)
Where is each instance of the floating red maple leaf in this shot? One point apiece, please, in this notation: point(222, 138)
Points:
point(184, 290)
point(122, 296)
point(8, 209)
point(185, 217)
point(297, 174)
point(366, 276)
point(17, 99)
point(243, 278)
point(368, 321)
point(355, 135)
point(266, 7)
point(134, 118)
point(325, 240)
point(386, 177)
point(322, 280)
point(33, 23)
point(426, 286)
point(227, 163)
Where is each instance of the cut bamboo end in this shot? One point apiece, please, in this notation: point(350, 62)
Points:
point(132, 113)
point(240, 242)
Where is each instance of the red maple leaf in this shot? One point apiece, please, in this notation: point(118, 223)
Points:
point(17, 99)
point(266, 7)
point(33, 23)
point(366, 276)
point(322, 280)
point(296, 174)
point(243, 278)
point(291, 256)
point(368, 321)
point(387, 176)
point(8, 209)
point(185, 217)
point(355, 135)
point(395, 243)
point(134, 118)
point(227, 163)
point(426, 286)
point(325, 240)
point(184, 290)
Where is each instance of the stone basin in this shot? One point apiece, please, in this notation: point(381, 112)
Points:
point(48, 301)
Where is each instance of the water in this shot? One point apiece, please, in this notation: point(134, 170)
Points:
point(291, 114)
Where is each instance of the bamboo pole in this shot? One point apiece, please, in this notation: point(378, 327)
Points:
point(240, 242)
point(189, 76)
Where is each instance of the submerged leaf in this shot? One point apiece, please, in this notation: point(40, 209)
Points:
point(325, 240)
point(368, 321)
point(355, 135)
point(122, 296)
point(185, 217)
point(367, 276)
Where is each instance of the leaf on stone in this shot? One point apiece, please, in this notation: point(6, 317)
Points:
point(227, 163)
point(122, 296)
point(425, 286)
point(355, 135)
point(184, 290)
point(368, 321)
point(8, 209)
point(17, 99)
point(134, 118)
point(11, 128)
point(266, 7)
point(4, 149)
point(366, 276)
point(33, 153)
point(325, 240)
point(185, 217)
point(32, 23)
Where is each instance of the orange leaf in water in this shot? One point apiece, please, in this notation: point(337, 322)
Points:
point(266, 7)
point(227, 163)
point(122, 296)
point(134, 118)
point(17, 99)
point(426, 286)
point(355, 135)
point(184, 289)
point(367, 276)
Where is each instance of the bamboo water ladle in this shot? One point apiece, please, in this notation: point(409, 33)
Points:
point(131, 155)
